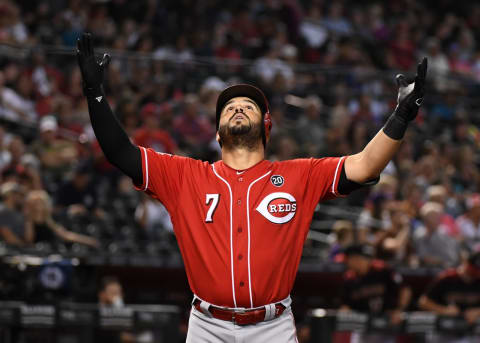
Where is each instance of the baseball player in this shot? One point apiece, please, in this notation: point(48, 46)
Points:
point(241, 222)
point(371, 286)
point(456, 292)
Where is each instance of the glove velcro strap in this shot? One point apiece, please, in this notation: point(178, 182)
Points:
point(395, 127)
point(407, 109)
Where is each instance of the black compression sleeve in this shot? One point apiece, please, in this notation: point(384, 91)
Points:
point(112, 137)
point(346, 186)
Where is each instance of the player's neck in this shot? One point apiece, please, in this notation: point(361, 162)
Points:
point(241, 158)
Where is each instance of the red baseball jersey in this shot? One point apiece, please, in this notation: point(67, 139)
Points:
point(240, 233)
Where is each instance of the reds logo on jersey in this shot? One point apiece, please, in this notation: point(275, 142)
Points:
point(278, 207)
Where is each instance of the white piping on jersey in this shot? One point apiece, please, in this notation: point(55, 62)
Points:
point(146, 168)
point(231, 233)
point(248, 226)
point(335, 177)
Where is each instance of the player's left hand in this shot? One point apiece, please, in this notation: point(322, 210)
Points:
point(410, 94)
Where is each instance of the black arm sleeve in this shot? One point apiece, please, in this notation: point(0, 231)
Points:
point(345, 186)
point(113, 139)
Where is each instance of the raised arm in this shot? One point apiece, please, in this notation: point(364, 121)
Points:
point(113, 140)
point(369, 163)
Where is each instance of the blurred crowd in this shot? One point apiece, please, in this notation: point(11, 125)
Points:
point(327, 68)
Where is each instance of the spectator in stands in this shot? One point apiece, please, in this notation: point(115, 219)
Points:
point(466, 175)
point(55, 154)
point(151, 134)
point(344, 237)
point(310, 128)
point(336, 21)
point(438, 64)
point(153, 217)
point(71, 122)
point(433, 246)
point(19, 103)
point(110, 295)
point(127, 113)
point(12, 29)
point(401, 53)
point(313, 32)
point(192, 125)
point(392, 243)
point(469, 223)
point(23, 166)
point(286, 148)
point(456, 292)
point(427, 171)
point(269, 66)
point(371, 286)
point(228, 48)
point(12, 223)
point(374, 216)
point(78, 195)
point(41, 227)
point(438, 194)
point(16, 149)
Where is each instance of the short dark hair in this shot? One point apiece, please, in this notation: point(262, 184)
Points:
point(106, 281)
point(364, 250)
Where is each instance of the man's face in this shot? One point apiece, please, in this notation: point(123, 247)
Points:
point(111, 293)
point(48, 135)
point(240, 123)
point(16, 198)
point(358, 263)
point(432, 220)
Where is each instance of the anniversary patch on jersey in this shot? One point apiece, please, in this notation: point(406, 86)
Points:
point(278, 207)
point(277, 180)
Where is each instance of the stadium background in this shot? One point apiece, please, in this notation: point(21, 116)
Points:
point(328, 69)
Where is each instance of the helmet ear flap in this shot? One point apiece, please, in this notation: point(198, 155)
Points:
point(267, 121)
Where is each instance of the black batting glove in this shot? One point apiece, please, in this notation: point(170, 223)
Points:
point(92, 70)
point(409, 100)
point(410, 95)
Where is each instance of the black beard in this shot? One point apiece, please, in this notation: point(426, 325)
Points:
point(243, 136)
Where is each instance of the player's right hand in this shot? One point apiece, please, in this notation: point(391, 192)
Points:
point(92, 70)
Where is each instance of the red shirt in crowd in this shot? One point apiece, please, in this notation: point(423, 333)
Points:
point(157, 139)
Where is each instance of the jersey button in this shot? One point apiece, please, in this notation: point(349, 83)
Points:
point(239, 230)
point(239, 202)
point(240, 179)
point(240, 256)
point(242, 283)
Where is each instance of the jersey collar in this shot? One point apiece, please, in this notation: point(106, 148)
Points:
point(255, 170)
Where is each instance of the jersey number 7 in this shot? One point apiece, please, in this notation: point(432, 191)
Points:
point(211, 199)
